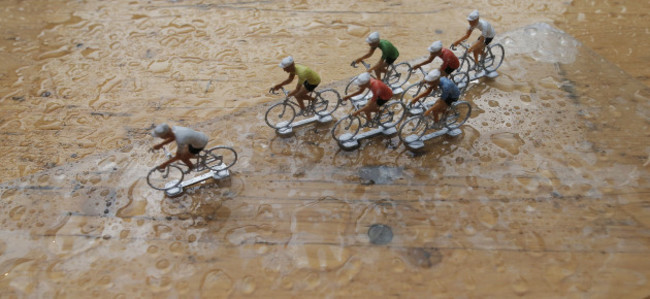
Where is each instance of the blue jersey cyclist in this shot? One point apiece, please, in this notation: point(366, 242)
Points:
point(450, 93)
point(388, 54)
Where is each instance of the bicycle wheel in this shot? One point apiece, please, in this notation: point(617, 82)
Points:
point(280, 115)
point(494, 57)
point(220, 158)
point(352, 88)
point(327, 101)
point(392, 114)
point(464, 67)
point(346, 128)
point(398, 75)
point(169, 178)
point(411, 92)
point(457, 114)
point(461, 80)
point(413, 129)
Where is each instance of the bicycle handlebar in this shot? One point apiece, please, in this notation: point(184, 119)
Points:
point(354, 64)
point(272, 91)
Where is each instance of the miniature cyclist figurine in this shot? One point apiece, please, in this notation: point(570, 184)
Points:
point(450, 93)
point(188, 143)
point(449, 60)
point(381, 94)
point(388, 54)
point(308, 80)
point(487, 34)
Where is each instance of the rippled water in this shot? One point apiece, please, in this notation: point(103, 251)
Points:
point(544, 188)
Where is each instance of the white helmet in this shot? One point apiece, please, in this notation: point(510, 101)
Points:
point(435, 47)
point(362, 79)
point(287, 61)
point(432, 76)
point(161, 130)
point(373, 38)
point(473, 16)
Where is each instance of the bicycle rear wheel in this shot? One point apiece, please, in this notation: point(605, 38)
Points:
point(464, 67)
point(457, 114)
point(412, 129)
point(280, 115)
point(220, 158)
point(346, 128)
point(398, 75)
point(494, 57)
point(168, 178)
point(392, 114)
point(461, 80)
point(327, 101)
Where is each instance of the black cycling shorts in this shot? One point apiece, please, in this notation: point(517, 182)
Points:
point(194, 151)
point(309, 87)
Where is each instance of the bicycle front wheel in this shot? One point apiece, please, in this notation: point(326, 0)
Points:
point(392, 114)
point(280, 115)
point(494, 57)
point(398, 75)
point(458, 114)
point(352, 88)
point(461, 80)
point(413, 129)
point(327, 101)
point(220, 158)
point(346, 128)
point(168, 178)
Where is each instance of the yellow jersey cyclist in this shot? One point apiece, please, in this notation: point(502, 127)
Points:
point(308, 80)
point(388, 54)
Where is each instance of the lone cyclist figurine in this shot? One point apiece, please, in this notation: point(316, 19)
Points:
point(381, 94)
point(449, 60)
point(388, 54)
point(487, 34)
point(450, 93)
point(188, 143)
point(308, 80)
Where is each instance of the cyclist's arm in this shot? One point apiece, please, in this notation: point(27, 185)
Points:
point(372, 51)
point(361, 90)
point(429, 60)
point(422, 94)
point(166, 141)
point(285, 82)
point(466, 36)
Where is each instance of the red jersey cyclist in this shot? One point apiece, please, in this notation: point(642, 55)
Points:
point(308, 80)
point(381, 94)
point(487, 34)
point(388, 54)
point(449, 60)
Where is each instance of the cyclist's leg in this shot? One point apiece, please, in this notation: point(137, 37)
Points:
point(301, 95)
point(436, 109)
point(476, 48)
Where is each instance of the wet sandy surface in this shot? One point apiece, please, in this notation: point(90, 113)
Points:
point(544, 194)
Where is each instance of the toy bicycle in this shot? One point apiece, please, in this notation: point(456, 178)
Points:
point(396, 76)
point(281, 115)
point(490, 61)
point(346, 130)
point(420, 128)
point(216, 161)
point(459, 78)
